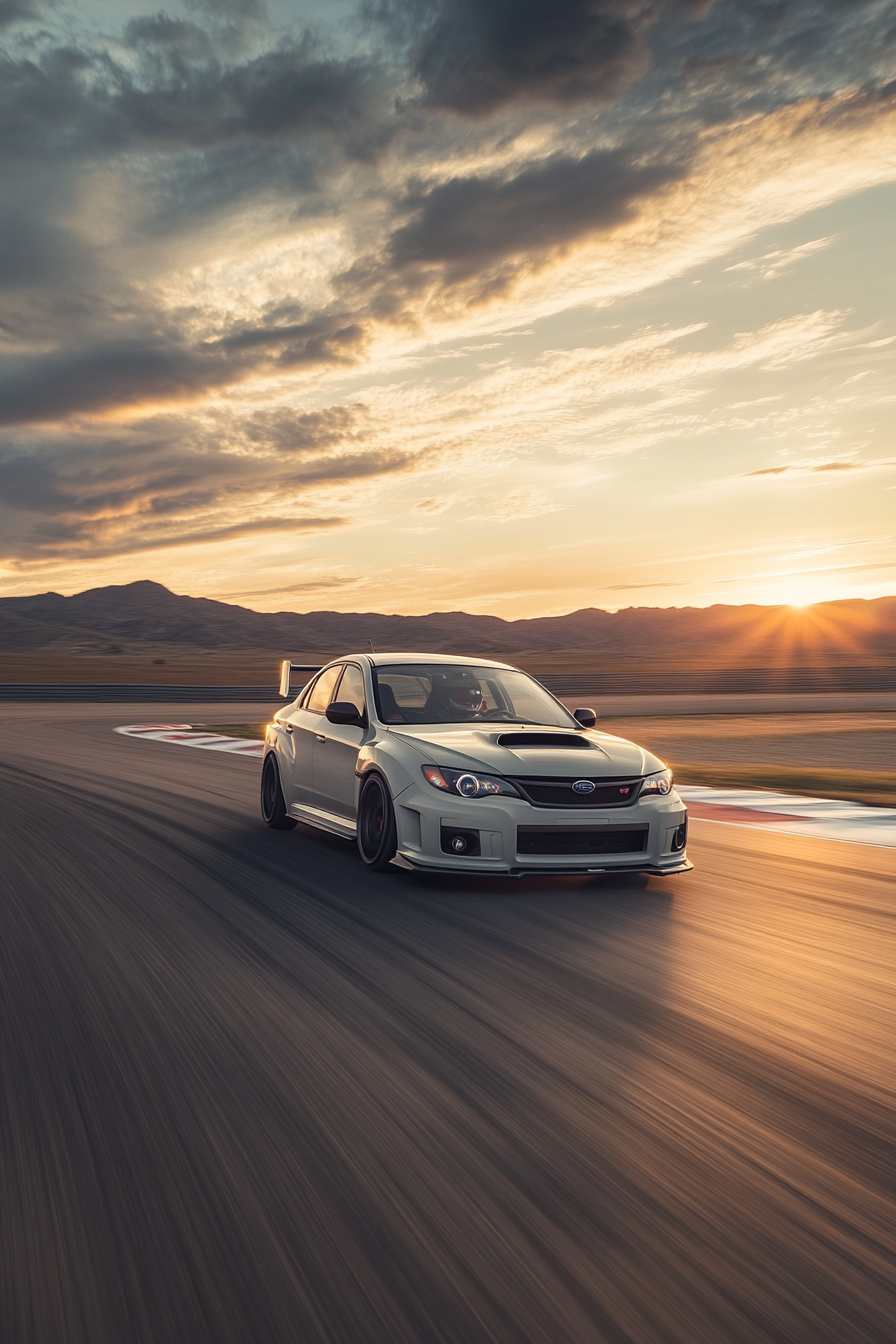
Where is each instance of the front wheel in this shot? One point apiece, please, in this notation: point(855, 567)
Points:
point(377, 837)
point(273, 804)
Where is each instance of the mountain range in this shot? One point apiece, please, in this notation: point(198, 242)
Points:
point(136, 617)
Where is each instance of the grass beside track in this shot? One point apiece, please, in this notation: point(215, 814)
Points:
point(877, 788)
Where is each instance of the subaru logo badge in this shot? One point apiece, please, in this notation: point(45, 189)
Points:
point(583, 786)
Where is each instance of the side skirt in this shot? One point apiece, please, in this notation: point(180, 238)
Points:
point(324, 821)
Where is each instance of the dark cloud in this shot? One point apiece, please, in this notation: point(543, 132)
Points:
point(179, 91)
point(470, 223)
point(285, 92)
point(170, 482)
point(13, 11)
point(755, 55)
point(35, 252)
point(131, 372)
point(110, 375)
point(253, 10)
point(323, 340)
point(475, 56)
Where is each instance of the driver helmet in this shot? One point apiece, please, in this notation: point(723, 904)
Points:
point(462, 692)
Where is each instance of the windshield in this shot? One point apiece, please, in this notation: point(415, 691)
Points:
point(445, 693)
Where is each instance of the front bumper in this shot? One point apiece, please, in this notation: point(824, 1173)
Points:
point(425, 816)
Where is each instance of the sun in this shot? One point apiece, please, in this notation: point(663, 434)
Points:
point(796, 593)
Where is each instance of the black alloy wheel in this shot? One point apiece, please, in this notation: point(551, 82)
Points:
point(377, 837)
point(273, 805)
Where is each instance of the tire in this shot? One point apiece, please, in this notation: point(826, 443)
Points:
point(273, 805)
point(377, 836)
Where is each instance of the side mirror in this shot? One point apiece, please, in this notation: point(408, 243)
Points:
point(342, 711)
point(586, 717)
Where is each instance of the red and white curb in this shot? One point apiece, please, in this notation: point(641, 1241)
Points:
point(184, 735)
point(821, 818)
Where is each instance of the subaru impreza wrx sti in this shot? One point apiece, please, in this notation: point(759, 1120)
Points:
point(444, 764)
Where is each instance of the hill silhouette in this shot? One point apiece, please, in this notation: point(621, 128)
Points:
point(142, 616)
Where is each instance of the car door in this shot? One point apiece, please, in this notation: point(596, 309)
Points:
point(336, 748)
point(302, 726)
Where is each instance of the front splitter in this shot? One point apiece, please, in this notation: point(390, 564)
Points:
point(652, 870)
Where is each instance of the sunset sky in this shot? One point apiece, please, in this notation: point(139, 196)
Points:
point(503, 305)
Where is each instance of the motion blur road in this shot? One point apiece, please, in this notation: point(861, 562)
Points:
point(256, 1093)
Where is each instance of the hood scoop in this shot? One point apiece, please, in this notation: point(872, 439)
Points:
point(553, 741)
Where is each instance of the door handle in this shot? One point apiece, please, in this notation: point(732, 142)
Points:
point(320, 737)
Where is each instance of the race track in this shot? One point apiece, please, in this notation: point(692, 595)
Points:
point(258, 1095)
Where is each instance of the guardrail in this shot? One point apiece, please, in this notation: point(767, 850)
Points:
point(124, 693)
point(736, 681)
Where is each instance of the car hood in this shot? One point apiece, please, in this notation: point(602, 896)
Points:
point(467, 747)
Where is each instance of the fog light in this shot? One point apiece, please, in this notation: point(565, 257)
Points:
point(680, 838)
point(461, 843)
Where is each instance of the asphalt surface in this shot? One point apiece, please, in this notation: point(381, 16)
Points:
point(255, 1093)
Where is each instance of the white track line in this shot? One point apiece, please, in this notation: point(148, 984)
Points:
point(823, 818)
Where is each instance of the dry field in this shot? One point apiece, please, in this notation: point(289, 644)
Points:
point(173, 665)
point(842, 755)
point(160, 666)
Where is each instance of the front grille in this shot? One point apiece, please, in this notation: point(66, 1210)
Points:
point(554, 791)
point(581, 840)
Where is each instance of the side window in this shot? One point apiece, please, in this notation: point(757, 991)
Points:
point(351, 687)
point(322, 690)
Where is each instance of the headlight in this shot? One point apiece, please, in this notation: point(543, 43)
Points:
point(658, 783)
point(467, 784)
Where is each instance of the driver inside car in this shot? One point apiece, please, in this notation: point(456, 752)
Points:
point(453, 699)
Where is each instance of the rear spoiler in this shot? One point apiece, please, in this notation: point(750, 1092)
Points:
point(286, 670)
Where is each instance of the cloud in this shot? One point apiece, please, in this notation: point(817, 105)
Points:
point(133, 372)
point(167, 540)
point(13, 11)
point(170, 483)
point(476, 56)
point(515, 505)
point(169, 87)
point(326, 581)
point(111, 374)
point(470, 224)
point(292, 431)
point(212, 212)
point(801, 573)
point(779, 262)
point(809, 468)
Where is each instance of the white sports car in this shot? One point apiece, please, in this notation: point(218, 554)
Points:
point(444, 764)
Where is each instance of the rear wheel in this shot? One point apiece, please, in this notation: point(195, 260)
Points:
point(377, 837)
point(273, 804)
